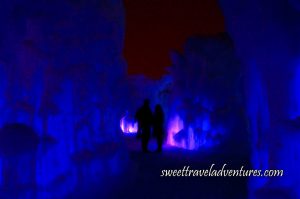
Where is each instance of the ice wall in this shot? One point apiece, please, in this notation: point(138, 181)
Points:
point(266, 34)
point(206, 98)
point(62, 75)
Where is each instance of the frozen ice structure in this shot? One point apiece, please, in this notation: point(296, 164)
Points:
point(266, 36)
point(62, 71)
point(206, 97)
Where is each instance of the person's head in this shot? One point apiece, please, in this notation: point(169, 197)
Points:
point(158, 108)
point(146, 102)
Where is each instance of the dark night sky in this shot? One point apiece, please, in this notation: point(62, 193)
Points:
point(154, 27)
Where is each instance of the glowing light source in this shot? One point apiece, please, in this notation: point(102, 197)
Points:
point(179, 136)
point(128, 125)
point(174, 127)
point(189, 137)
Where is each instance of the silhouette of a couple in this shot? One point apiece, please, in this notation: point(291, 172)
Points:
point(148, 121)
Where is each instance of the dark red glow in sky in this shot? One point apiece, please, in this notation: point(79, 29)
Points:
point(154, 27)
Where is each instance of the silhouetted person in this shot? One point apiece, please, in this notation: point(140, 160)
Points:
point(158, 126)
point(144, 117)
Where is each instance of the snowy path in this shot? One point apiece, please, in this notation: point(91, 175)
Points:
point(143, 178)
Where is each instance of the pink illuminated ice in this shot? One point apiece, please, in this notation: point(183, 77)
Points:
point(128, 126)
point(188, 138)
point(175, 125)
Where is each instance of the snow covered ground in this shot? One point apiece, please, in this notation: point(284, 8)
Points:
point(142, 178)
